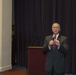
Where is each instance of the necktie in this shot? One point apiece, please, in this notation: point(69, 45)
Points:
point(54, 42)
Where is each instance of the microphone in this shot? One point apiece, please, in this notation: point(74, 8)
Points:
point(32, 42)
point(36, 43)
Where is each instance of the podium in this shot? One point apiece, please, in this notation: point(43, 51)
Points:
point(36, 61)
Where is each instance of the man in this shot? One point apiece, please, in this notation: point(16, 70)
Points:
point(56, 47)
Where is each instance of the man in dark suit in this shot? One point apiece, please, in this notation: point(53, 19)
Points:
point(56, 47)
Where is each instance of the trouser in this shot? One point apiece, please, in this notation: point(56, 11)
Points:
point(52, 72)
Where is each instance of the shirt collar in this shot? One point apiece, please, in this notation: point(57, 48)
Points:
point(56, 35)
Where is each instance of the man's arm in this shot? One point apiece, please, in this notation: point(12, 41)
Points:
point(45, 46)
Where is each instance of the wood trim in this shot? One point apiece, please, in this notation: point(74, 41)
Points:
point(34, 47)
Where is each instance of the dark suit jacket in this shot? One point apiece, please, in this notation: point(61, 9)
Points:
point(55, 57)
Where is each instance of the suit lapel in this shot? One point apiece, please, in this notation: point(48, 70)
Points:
point(51, 37)
point(59, 37)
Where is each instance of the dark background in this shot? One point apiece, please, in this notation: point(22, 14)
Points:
point(33, 21)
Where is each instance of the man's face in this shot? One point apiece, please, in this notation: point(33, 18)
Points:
point(55, 28)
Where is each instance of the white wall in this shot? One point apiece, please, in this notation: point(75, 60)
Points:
point(5, 34)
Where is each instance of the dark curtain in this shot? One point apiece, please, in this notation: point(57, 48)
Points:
point(33, 20)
